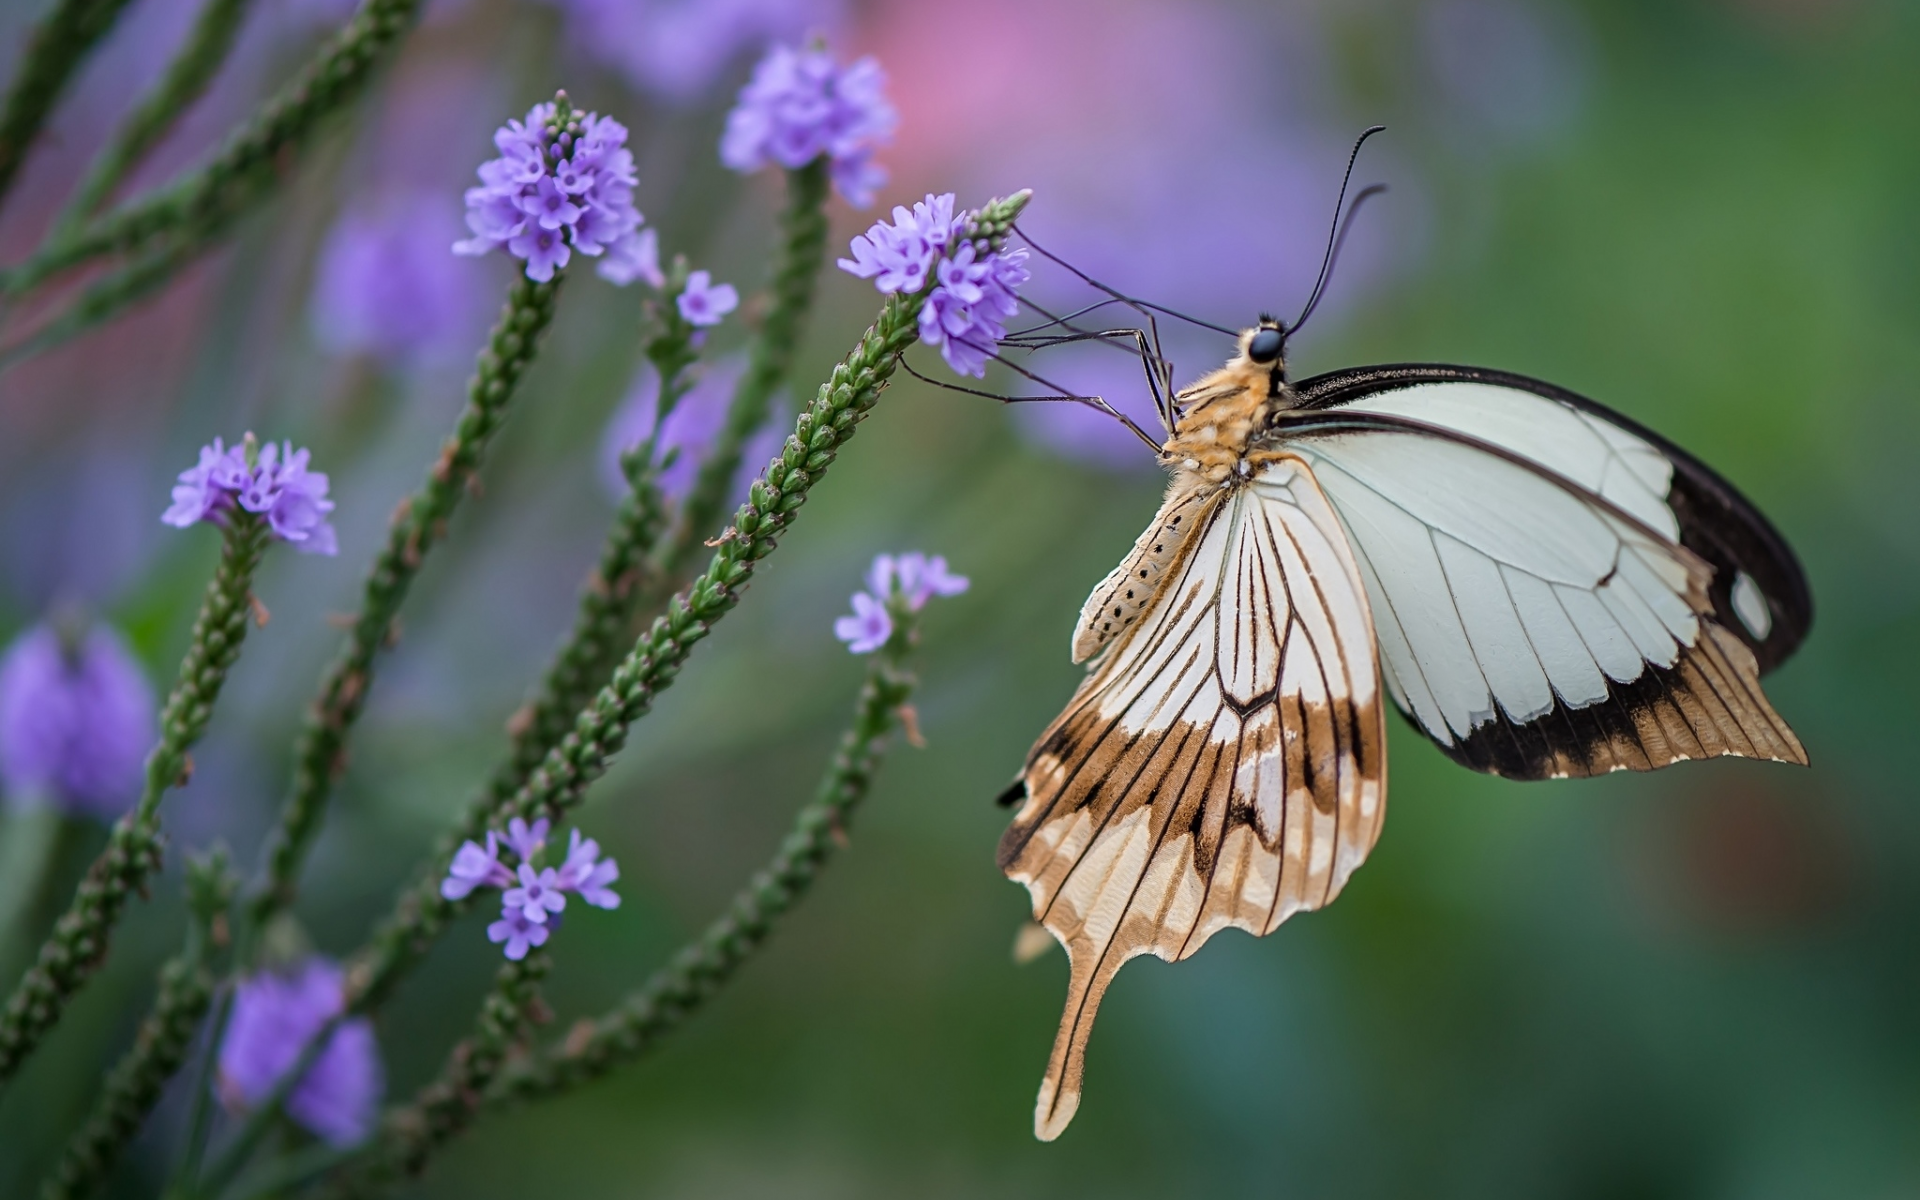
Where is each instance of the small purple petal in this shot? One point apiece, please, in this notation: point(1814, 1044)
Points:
point(868, 628)
point(705, 302)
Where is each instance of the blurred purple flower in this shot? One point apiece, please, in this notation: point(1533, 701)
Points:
point(76, 721)
point(921, 578)
point(636, 257)
point(868, 628)
point(588, 874)
point(386, 289)
point(704, 302)
point(273, 1018)
point(538, 896)
point(555, 190)
point(474, 867)
point(895, 584)
point(527, 840)
point(689, 431)
point(679, 48)
point(799, 105)
point(277, 486)
point(519, 933)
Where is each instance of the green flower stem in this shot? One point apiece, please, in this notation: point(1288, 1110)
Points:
point(605, 614)
point(677, 990)
point(186, 79)
point(56, 48)
point(420, 521)
point(186, 988)
point(79, 942)
point(107, 296)
point(205, 201)
point(600, 729)
point(803, 245)
point(444, 1108)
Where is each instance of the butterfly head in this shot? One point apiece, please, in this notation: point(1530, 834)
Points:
point(1264, 347)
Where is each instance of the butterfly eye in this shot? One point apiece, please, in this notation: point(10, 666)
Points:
point(1265, 346)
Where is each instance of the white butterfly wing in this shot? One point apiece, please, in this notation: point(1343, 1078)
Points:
point(1222, 765)
point(1537, 612)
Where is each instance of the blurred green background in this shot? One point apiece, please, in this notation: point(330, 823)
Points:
point(1698, 983)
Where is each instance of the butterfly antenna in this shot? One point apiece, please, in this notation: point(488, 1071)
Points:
point(1337, 234)
point(1121, 296)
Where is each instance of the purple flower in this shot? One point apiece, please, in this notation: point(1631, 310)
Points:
point(588, 874)
point(968, 330)
point(277, 486)
point(704, 302)
point(473, 868)
point(688, 432)
point(530, 910)
point(384, 290)
point(76, 721)
point(801, 105)
point(527, 840)
point(897, 257)
point(868, 628)
point(557, 188)
point(538, 895)
point(921, 578)
point(635, 256)
point(273, 1018)
point(518, 932)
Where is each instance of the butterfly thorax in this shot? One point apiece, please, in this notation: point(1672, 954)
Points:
point(1222, 417)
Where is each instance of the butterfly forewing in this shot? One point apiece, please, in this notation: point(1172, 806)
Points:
point(1223, 764)
point(1536, 613)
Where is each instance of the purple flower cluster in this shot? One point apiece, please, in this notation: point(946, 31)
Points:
point(76, 720)
point(901, 584)
point(274, 484)
point(273, 1018)
point(801, 104)
point(976, 288)
point(533, 896)
point(688, 432)
point(561, 184)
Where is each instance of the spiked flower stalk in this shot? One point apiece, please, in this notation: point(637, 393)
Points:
point(600, 729)
point(803, 244)
point(79, 942)
point(185, 81)
point(199, 206)
point(57, 47)
point(444, 1108)
point(612, 592)
point(186, 988)
point(677, 990)
point(419, 522)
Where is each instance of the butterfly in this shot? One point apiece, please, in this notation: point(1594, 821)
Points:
point(1540, 585)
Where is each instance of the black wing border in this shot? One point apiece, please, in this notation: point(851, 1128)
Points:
point(1716, 521)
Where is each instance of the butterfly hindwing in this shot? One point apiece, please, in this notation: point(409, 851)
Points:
point(1223, 764)
point(1539, 608)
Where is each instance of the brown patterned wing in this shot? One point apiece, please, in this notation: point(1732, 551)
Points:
point(1224, 764)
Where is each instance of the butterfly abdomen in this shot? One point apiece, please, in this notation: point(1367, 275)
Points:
point(1116, 604)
